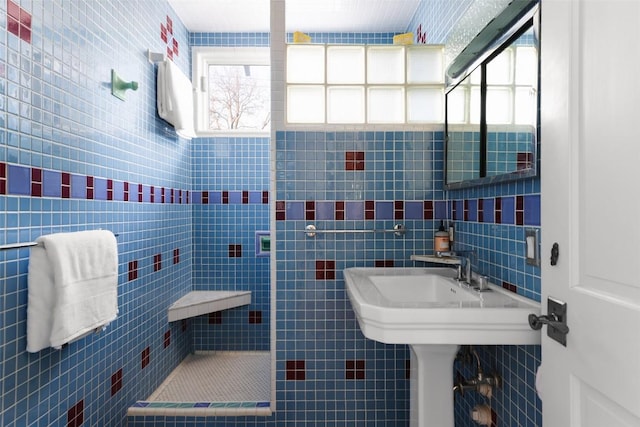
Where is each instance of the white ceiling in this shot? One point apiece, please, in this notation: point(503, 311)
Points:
point(301, 15)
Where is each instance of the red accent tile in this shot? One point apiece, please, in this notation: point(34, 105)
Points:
point(163, 33)
point(157, 262)
point(280, 210)
point(498, 211)
point(13, 26)
point(215, 318)
point(109, 189)
point(480, 210)
point(169, 25)
point(167, 339)
point(169, 53)
point(126, 191)
point(175, 47)
point(133, 270)
point(427, 207)
point(171, 197)
point(89, 187)
point(116, 382)
point(13, 10)
point(36, 175)
point(354, 369)
point(519, 210)
point(139, 193)
point(25, 18)
point(255, 317)
point(36, 189)
point(176, 256)
point(398, 209)
point(295, 370)
point(265, 197)
point(225, 197)
point(3, 170)
point(145, 357)
point(153, 194)
point(339, 214)
point(245, 197)
point(163, 195)
point(25, 33)
point(235, 251)
point(75, 415)
point(370, 209)
point(325, 270)
point(3, 186)
point(310, 210)
point(466, 210)
point(384, 263)
point(510, 287)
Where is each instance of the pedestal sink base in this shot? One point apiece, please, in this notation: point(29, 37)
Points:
point(432, 385)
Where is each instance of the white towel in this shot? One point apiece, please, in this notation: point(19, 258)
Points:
point(72, 287)
point(175, 99)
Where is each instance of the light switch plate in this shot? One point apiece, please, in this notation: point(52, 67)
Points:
point(532, 246)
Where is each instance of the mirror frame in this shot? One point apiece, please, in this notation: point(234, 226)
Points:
point(522, 16)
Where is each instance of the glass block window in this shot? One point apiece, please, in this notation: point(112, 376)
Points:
point(360, 84)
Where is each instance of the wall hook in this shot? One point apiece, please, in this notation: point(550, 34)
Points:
point(119, 86)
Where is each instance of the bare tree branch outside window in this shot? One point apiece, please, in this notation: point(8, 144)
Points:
point(239, 97)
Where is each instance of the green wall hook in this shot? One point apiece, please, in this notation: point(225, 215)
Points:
point(119, 86)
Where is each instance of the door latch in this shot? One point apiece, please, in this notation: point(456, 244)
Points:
point(555, 319)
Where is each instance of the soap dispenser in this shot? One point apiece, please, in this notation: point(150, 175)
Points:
point(441, 240)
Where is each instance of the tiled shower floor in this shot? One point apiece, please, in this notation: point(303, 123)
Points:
point(218, 381)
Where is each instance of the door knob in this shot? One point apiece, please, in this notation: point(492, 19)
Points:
point(556, 321)
point(536, 322)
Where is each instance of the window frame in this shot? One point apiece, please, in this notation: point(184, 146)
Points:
point(205, 56)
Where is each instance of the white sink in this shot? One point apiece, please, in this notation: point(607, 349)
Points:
point(433, 313)
point(428, 306)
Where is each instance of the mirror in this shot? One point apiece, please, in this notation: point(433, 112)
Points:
point(491, 120)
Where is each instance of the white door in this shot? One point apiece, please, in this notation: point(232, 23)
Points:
point(591, 208)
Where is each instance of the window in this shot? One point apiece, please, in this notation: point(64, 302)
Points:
point(359, 84)
point(233, 90)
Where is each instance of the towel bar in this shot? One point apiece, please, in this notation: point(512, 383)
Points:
point(398, 229)
point(9, 246)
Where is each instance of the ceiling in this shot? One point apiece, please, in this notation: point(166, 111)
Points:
point(301, 15)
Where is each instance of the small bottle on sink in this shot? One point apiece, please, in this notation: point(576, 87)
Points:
point(441, 240)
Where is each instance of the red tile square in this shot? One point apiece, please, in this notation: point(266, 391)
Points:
point(295, 370)
point(25, 18)
point(36, 175)
point(167, 339)
point(116, 382)
point(265, 197)
point(13, 26)
point(145, 357)
point(133, 270)
point(255, 317)
point(25, 33)
point(176, 256)
point(169, 25)
point(169, 53)
point(36, 189)
point(3, 170)
point(13, 10)
point(215, 318)
point(75, 415)
point(245, 197)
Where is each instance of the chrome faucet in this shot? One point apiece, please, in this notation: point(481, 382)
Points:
point(465, 272)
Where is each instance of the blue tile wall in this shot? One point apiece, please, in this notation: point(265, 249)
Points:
point(234, 174)
point(69, 154)
point(500, 254)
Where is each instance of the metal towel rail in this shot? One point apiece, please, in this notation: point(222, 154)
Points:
point(398, 229)
point(9, 246)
